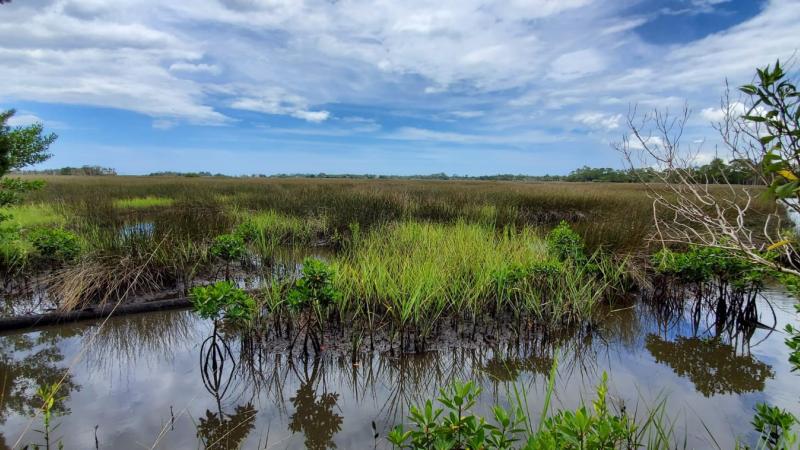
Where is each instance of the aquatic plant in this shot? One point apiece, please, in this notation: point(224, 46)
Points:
point(223, 300)
point(412, 274)
point(455, 430)
point(775, 427)
point(228, 248)
point(311, 296)
point(55, 245)
point(714, 272)
point(48, 396)
point(13, 256)
point(793, 342)
point(455, 427)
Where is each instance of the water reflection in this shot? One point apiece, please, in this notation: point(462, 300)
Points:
point(314, 414)
point(221, 431)
point(330, 401)
point(27, 362)
point(713, 366)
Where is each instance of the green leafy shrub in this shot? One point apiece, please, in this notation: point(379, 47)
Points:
point(706, 264)
point(451, 428)
point(454, 427)
point(248, 231)
point(228, 247)
point(311, 296)
point(55, 244)
point(223, 300)
point(315, 288)
point(775, 426)
point(584, 428)
point(566, 244)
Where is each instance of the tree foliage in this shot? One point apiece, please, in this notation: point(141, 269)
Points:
point(20, 147)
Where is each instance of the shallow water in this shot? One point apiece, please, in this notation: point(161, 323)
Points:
point(138, 382)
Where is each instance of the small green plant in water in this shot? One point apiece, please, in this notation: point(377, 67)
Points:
point(229, 248)
point(775, 427)
point(452, 428)
point(47, 394)
point(565, 243)
point(455, 427)
point(311, 296)
point(223, 300)
point(55, 244)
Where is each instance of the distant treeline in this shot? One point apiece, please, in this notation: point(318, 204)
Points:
point(716, 171)
point(185, 174)
point(83, 170)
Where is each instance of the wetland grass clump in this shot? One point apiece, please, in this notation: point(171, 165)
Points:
point(414, 274)
point(144, 202)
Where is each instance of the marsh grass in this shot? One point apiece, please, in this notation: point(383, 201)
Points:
point(33, 215)
point(268, 230)
point(144, 202)
point(614, 216)
point(414, 274)
point(409, 251)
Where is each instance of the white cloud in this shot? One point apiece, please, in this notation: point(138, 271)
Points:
point(467, 114)
point(625, 25)
point(164, 124)
point(655, 142)
point(577, 64)
point(703, 158)
point(312, 116)
point(51, 52)
point(277, 101)
point(424, 134)
point(21, 119)
point(599, 120)
point(183, 61)
point(195, 68)
point(18, 120)
point(734, 110)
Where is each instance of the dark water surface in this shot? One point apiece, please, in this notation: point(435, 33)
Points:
point(139, 383)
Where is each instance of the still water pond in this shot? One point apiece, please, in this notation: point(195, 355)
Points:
point(139, 383)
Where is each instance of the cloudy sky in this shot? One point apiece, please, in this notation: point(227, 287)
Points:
point(393, 87)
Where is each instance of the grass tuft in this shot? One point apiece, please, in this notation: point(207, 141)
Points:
point(143, 202)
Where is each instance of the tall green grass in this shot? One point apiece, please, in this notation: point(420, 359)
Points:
point(413, 273)
point(614, 216)
point(32, 215)
point(144, 202)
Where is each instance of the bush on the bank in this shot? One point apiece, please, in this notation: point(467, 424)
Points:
point(55, 244)
point(706, 264)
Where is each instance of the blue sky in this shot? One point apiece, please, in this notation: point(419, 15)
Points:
point(350, 86)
